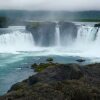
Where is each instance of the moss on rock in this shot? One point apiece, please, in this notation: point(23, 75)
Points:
point(58, 82)
point(40, 67)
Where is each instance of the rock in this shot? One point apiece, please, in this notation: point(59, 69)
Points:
point(69, 29)
point(49, 59)
point(80, 60)
point(59, 82)
point(42, 31)
point(97, 25)
point(59, 73)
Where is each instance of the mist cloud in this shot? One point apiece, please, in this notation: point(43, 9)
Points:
point(69, 5)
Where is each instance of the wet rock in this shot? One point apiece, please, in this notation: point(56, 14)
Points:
point(80, 60)
point(97, 25)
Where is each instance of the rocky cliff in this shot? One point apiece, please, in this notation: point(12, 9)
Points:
point(44, 33)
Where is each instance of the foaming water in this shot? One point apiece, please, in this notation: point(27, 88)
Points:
point(85, 44)
point(18, 51)
point(87, 41)
point(16, 40)
point(57, 35)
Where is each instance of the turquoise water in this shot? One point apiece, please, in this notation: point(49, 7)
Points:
point(18, 51)
point(15, 67)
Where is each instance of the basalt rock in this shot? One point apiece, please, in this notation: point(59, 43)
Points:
point(42, 31)
point(97, 25)
point(59, 82)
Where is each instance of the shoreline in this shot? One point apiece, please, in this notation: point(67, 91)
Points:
point(53, 80)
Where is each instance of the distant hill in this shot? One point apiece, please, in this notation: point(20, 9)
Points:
point(51, 15)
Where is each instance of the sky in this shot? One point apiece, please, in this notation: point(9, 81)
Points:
point(68, 5)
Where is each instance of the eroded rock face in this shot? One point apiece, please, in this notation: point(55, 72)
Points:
point(59, 82)
point(44, 33)
point(69, 30)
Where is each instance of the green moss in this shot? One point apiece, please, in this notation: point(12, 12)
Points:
point(35, 24)
point(40, 67)
point(88, 20)
point(17, 94)
point(19, 86)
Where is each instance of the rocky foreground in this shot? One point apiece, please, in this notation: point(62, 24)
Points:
point(58, 82)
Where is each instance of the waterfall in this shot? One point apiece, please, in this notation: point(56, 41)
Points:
point(57, 35)
point(86, 40)
point(86, 34)
point(16, 40)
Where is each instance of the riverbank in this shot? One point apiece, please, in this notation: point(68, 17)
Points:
point(59, 82)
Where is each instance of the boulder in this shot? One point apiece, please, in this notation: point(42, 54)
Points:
point(97, 25)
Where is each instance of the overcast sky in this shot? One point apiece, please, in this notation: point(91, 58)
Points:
point(69, 5)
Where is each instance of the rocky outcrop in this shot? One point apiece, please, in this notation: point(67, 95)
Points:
point(97, 25)
point(59, 82)
point(43, 32)
point(68, 29)
point(57, 72)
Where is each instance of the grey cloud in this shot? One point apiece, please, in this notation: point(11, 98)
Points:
point(69, 5)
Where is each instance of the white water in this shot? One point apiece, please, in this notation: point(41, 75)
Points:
point(86, 34)
point(86, 44)
point(87, 41)
point(57, 36)
point(16, 41)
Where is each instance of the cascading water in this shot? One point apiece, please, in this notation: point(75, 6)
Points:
point(16, 40)
point(57, 35)
point(86, 34)
point(84, 43)
point(87, 41)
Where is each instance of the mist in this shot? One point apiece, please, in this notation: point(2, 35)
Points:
point(68, 5)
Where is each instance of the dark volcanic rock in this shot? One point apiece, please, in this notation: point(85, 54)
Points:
point(97, 25)
point(42, 31)
point(59, 82)
point(92, 72)
point(80, 60)
point(69, 30)
point(58, 73)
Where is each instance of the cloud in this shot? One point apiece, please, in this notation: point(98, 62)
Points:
point(69, 5)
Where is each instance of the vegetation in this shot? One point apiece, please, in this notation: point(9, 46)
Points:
point(3, 22)
point(40, 67)
point(87, 20)
point(32, 25)
point(58, 82)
